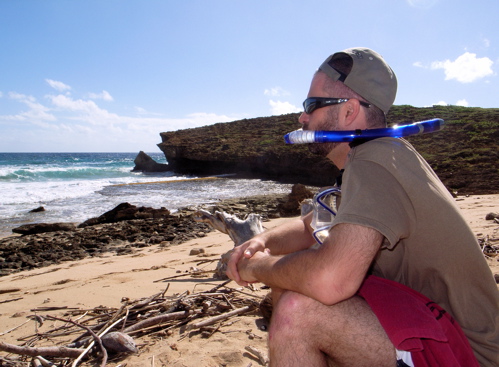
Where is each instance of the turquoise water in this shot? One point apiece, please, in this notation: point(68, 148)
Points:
point(73, 187)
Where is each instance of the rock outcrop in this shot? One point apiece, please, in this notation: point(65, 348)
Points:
point(253, 147)
point(143, 162)
point(126, 211)
point(36, 228)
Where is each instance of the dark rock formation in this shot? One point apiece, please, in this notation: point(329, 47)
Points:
point(126, 211)
point(37, 210)
point(145, 163)
point(252, 148)
point(44, 228)
point(291, 206)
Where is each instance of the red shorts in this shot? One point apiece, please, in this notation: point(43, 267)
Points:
point(416, 324)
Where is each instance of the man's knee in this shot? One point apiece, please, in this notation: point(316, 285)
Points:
point(288, 316)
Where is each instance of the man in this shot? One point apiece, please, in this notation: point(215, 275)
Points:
point(400, 263)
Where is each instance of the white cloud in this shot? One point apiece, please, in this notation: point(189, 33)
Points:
point(103, 95)
point(466, 68)
point(441, 103)
point(69, 124)
point(141, 111)
point(486, 42)
point(276, 92)
point(84, 110)
point(418, 64)
point(281, 108)
point(462, 103)
point(36, 111)
point(59, 86)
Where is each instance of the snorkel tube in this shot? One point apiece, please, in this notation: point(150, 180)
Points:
point(308, 136)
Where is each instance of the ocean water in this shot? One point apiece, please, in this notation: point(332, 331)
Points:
point(73, 187)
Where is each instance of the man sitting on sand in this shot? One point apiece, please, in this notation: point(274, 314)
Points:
point(400, 276)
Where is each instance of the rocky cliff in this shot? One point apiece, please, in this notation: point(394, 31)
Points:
point(253, 147)
point(465, 154)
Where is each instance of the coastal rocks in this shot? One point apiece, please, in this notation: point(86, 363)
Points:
point(146, 227)
point(249, 148)
point(145, 163)
point(37, 210)
point(291, 206)
point(126, 211)
point(44, 228)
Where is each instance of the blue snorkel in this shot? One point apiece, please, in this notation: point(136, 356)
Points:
point(345, 136)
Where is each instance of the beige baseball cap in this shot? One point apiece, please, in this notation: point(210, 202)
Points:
point(370, 76)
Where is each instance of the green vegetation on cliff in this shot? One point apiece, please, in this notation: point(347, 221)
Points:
point(465, 154)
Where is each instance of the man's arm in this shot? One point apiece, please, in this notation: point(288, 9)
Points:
point(287, 238)
point(330, 274)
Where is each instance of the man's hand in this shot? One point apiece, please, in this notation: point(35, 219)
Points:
point(244, 251)
point(246, 265)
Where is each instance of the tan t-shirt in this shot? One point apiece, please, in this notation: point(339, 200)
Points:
point(428, 245)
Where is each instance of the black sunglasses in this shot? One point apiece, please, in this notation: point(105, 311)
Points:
point(313, 103)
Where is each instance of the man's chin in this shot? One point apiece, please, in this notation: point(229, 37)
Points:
point(321, 149)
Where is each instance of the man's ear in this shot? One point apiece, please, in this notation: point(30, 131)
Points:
point(351, 109)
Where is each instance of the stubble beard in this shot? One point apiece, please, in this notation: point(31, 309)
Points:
point(330, 123)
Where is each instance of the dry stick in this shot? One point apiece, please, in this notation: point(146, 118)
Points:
point(166, 290)
point(146, 301)
point(156, 320)
point(262, 357)
point(116, 315)
point(183, 275)
point(44, 351)
point(14, 328)
point(44, 362)
point(10, 290)
point(246, 294)
point(11, 300)
point(215, 319)
point(125, 319)
point(220, 285)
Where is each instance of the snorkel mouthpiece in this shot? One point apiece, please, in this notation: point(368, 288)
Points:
point(345, 136)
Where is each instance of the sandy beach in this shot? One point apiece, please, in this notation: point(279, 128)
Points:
point(105, 280)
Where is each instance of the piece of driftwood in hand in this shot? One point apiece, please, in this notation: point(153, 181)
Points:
point(239, 231)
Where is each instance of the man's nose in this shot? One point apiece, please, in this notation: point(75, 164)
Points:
point(303, 119)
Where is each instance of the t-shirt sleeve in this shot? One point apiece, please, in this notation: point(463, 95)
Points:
point(373, 197)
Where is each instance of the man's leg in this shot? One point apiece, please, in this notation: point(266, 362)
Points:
point(304, 332)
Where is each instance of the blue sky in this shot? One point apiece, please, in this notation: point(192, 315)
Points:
point(110, 75)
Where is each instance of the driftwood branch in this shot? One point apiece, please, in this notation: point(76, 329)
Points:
point(215, 319)
point(262, 357)
point(238, 230)
point(41, 351)
point(156, 321)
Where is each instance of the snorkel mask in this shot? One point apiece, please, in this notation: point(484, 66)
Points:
point(325, 206)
